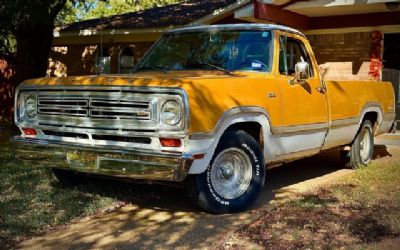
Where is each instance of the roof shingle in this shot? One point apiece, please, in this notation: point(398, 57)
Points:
point(171, 15)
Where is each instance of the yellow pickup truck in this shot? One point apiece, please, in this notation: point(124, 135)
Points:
point(211, 107)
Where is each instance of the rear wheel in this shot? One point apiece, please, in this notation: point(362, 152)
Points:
point(68, 177)
point(234, 178)
point(362, 149)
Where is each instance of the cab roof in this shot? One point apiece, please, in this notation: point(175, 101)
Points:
point(247, 26)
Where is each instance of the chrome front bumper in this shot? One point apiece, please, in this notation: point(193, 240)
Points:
point(106, 160)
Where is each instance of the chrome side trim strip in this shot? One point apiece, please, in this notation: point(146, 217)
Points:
point(356, 120)
point(259, 110)
point(299, 128)
point(345, 122)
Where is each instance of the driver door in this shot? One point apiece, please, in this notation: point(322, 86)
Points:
point(304, 105)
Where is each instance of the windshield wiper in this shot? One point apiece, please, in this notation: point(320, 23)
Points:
point(152, 67)
point(217, 67)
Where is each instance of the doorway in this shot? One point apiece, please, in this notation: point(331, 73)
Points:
point(391, 65)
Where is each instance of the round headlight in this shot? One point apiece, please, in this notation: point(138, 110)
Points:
point(171, 113)
point(30, 106)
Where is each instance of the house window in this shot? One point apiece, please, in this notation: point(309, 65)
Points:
point(126, 60)
point(103, 59)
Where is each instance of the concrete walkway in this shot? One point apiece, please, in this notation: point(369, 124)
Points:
point(171, 222)
point(389, 139)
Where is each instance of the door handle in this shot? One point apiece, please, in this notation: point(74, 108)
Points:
point(321, 90)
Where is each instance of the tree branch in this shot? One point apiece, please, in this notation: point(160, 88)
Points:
point(57, 8)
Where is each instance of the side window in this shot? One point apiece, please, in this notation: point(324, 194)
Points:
point(126, 61)
point(103, 60)
point(282, 56)
point(292, 51)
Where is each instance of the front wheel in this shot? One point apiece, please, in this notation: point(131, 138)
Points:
point(234, 178)
point(362, 149)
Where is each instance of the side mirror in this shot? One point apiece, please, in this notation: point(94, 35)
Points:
point(302, 73)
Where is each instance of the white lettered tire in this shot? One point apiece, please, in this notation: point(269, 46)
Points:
point(362, 148)
point(234, 178)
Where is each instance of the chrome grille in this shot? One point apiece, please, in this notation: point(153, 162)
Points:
point(59, 106)
point(127, 113)
point(108, 109)
point(119, 109)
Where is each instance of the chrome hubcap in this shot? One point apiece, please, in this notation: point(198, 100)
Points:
point(227, 172)
point(231, 173)
point(365, 146)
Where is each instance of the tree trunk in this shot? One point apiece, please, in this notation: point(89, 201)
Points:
point(33, 49)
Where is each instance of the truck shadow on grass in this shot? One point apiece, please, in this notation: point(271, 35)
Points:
point(139, 216)
point(173, 198)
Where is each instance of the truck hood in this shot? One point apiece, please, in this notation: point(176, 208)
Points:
point(210, 93)
point(150, 79)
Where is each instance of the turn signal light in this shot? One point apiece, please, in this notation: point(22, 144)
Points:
point(29, 131)
point(170, 142)
point(198, 157)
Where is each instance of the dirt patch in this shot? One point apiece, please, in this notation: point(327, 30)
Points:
point(317, 223)
point(360, 210)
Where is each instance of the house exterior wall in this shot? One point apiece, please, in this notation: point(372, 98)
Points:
point(80, 59)
point(343, 56)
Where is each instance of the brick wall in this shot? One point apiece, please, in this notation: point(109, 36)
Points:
point(343, 56)
point(76, 60)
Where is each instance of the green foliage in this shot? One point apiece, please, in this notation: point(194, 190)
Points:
point(67, 14)
point(26, 28)
point(8, 45)
point(82, 10)
point(17, 16)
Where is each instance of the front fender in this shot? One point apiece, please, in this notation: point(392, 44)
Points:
point(206, 143)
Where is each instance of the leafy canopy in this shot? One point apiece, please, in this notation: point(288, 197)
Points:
point(18, 16)
point(21, 15)
point(83, 10)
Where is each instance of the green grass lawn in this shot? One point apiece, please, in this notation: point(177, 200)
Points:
point(359, 209)
point(33, 201)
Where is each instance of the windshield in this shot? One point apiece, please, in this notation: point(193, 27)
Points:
point(223, 50)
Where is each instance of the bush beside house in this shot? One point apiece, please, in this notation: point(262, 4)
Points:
point(7, 89)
